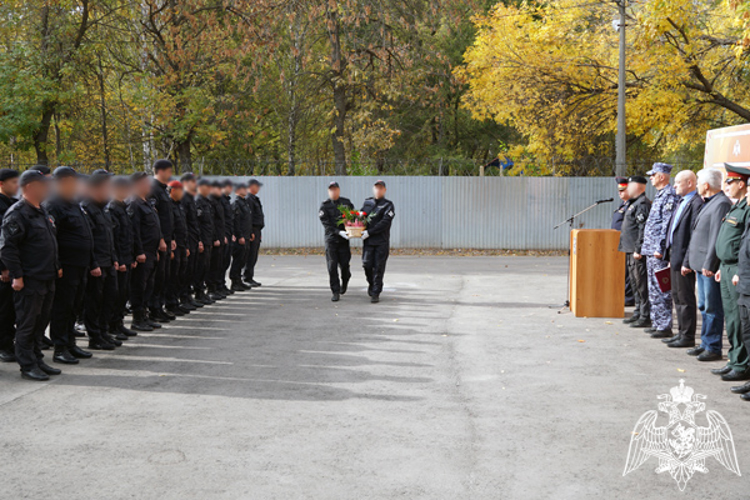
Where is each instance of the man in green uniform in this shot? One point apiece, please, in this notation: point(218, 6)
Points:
point(727, 250)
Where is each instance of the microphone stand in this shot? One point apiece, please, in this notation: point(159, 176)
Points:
point(571, 221)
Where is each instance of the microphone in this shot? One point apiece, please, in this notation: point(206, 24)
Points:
point(608, 200)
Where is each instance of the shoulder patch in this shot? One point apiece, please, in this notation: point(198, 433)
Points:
point(12, 227)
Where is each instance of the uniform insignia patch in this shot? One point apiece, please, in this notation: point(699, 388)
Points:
point(321, 213)
point(13, 227)
point(640, 217)
point(51, 219)
point(390, 214)
point(199, 212)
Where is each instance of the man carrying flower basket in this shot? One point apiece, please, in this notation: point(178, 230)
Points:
point(379, 213)
point(338, 254)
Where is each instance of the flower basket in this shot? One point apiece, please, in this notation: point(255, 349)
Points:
point(354, 231)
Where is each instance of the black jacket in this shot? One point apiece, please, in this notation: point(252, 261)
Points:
point(205, 213)
point(123, 231)
point(226, 203)
point(633, 225)
point(101, 228)
point(243, 218)
point(180, 224)
point(191, 219)
point(75, 241)
point(259, 220)
point(681, 238)
point(219, 228)
point(381, 214)
point(146, 227)
point(161, 201)
point(5, 204)
point(329, 216)
point(28, 243)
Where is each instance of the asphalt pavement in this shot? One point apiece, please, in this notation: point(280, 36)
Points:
point(464, 382)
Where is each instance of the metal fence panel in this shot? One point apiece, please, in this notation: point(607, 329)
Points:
point(516, 213)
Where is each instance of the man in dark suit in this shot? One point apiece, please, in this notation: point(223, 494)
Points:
point(678, 239)
point(617, 217)
point(701, 259)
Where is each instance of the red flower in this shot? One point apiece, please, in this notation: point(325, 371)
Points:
point(353, 212)
point(363, 213)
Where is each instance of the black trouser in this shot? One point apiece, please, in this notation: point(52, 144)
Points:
point(68, 288)
point(176, 272)
point(202, 267)
point(239, 259)
point(628, 288)
point(744, 305)
point(216, 266)
point(338, 254)
point(33, 307)
point(374, 258)
point(252, 254)
point(101, 295)
point(161, 274)
point(123, 293)
point(683, 296)
point(226, 261)
point(639, 280)
point(187, 279)
point(142, 284)
point(7, 317)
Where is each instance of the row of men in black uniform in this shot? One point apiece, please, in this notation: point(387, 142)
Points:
point(98, 243)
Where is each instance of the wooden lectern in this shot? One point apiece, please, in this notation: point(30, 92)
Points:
point(597, 274)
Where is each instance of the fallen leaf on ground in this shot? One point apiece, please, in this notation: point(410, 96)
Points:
point(579, 340)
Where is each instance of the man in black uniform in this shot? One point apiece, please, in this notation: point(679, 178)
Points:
point(216, 269)
point(258, 224)
point(159, 199)
point(123, 232)
point(75, 244)
point(28, 248)
point(180, 252)
point(190, 187)
point(226, 202)
point(146, 241)
point(243, 231)
point(376, 239)
point(8, 191)
point(631, 240)
point(338, 252)
point(617, 218)
point(205, 214)
point(101, 285)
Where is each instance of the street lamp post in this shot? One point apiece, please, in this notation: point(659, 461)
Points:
point(621, 165)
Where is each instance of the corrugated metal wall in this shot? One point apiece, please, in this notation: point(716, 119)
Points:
point(445, 212)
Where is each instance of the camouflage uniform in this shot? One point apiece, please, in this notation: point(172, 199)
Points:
point(654, 241)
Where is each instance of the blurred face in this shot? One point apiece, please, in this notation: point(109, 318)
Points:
point(227, 190)
point(333, 193)
point(378, 191)
point(36, 192)
point(121, 193)
point(164, 175)
point(216, 191)
point(176, 194)
point(204, 190)
point(734, 188)
point(142, 188)
point(635, 189)
point(101, 193)
point(67, 188)
point(189, 186)
point(241, 192)
point(9, 187)
point(254, 189)
point(623, 194)
point(659, 180)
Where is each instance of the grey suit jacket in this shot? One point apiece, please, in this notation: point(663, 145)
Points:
point(701, 253)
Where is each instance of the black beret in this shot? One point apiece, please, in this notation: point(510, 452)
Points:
point(8, 173)
point(187, 177)
point(63, 172)
point(138, 176)
point(638, 179)
point(333, 184)
point(31, 176)
point(162, 165)
point(254, 182)
point(44, 169)
point(379, 183)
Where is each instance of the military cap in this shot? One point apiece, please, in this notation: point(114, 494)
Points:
point(138, 176)
point(31, 176)
point(204, 182)
point(240, 185)
point(121, 181)
point(162, 165)
point(175, 185)
point(189, 176)
point(99, 176)
point(622, 183)
point(379, 183)
point(227, 182)
point(660, 168)
point(8, 173)
point(254, 182)
point(333, 184)
point(216, 184)
point(63, 172)
point(44, 169)
point(639, 179)
point(737, 172)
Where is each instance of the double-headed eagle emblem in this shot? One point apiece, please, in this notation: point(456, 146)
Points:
point(681, 446)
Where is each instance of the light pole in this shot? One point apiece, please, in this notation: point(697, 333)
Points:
point(621, 165)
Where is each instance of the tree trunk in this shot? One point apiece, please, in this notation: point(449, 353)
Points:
point(184, 155)
point(105, 139)
point(42, 135)
point(338, 65)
